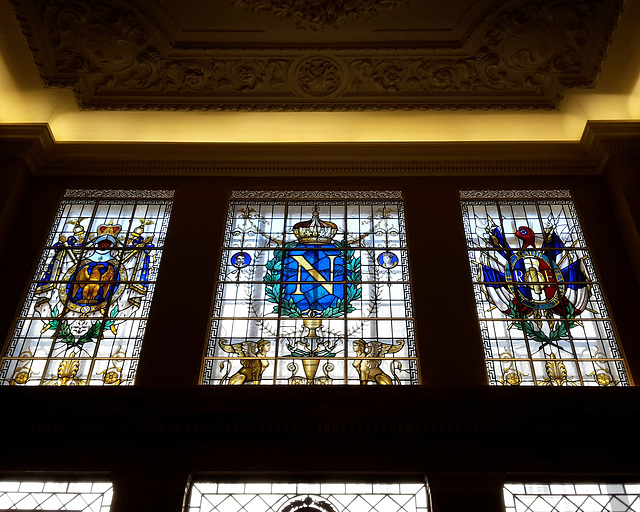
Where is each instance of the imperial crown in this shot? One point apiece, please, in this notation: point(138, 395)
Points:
point(315, 230)
point(107, 234)
point(109, 229)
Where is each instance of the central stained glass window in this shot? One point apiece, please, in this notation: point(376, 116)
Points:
point(313, 289)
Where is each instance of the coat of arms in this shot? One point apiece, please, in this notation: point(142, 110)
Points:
point(538, 280)
point(93, 281)
point(543, 317)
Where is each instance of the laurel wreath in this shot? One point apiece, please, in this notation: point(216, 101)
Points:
point(287, 307)
point(557, 334)
point(65, 335)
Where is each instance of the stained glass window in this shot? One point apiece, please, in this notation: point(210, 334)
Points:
point(313, 289)
point(309, 497)
point(83, 320)
point(79, 496)
point(571, 498)
point(543, 316)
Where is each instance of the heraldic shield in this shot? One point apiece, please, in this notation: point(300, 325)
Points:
point(92, 285)
point(315, 289)
point(309, 278)
point(84, 318)
point(536, 278)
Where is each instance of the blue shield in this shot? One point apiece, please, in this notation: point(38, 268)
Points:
point(314, 276)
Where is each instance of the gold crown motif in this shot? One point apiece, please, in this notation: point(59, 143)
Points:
point(107, 235)
point(315, 230)
point(109, 229)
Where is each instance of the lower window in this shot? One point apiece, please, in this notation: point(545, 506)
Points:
point(308, 497)
point(571, 497)
point(77, 496)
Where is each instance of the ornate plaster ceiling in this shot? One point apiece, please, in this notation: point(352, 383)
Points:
point(328, 55)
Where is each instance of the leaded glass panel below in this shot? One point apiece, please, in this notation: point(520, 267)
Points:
point(309, 497)
point(77, 496)
point(586, 497)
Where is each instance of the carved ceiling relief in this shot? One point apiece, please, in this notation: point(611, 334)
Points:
point(319, 76)
point(549, 37)
point(100, 41)
point(319, 14)
point(524, 51)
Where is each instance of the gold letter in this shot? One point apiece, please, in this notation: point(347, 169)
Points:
point(317, 276)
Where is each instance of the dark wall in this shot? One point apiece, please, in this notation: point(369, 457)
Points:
point(465, 436)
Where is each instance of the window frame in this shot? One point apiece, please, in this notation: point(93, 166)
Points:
point(320, 491)
point(610, 367)
point(313, 196)
point(71, 237)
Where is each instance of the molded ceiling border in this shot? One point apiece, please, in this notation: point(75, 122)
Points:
point(522, 55)
point(601, 139)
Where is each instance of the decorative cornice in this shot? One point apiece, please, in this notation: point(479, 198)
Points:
point(28, 142)
point(604, 139)
point(515, 194)
point(316, 194)
point(522, 56)
point(320, 15)
point(391, 167)
point(120, 194)
point(601, 139)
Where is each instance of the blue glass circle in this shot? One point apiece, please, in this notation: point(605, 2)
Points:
point(387, 260)
point(240, 259)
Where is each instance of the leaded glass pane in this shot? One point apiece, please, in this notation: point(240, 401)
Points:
point(308, 497)
point(84, 317)
point(571, 498)
point(543, 317)
point(313, 291)
point(78, 496)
